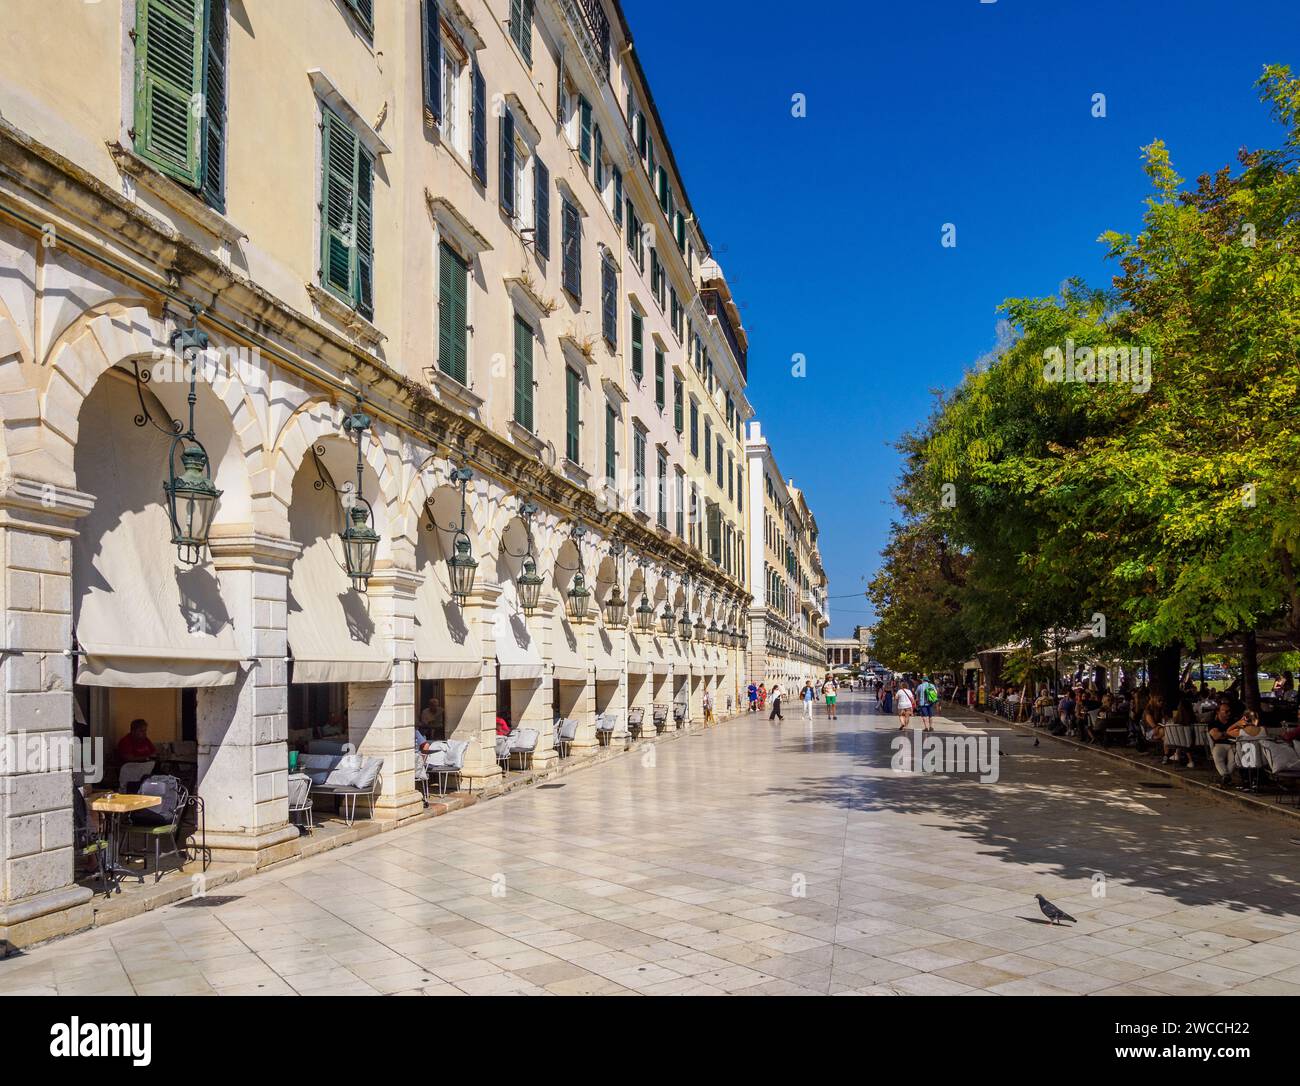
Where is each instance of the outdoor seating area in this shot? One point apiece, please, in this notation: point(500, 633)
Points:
point(1208, 735)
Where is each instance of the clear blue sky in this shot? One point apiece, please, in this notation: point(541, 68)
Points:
point(921, 113)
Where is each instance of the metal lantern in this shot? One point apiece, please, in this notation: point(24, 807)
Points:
point(667, 620)
point(462, 564)
point(191, 497)
point(616, 609)
point(701, 631)
point(684, 627)
point(360, 541)
point(529, 585)
point(713, 633)
point(579, 595)
point(645, 615)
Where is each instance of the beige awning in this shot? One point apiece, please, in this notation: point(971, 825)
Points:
point(518, 654)
point(445, 646)
point(142, 618)
point(608, 668)
point(638, 658)
point(332, 637)
point(568, 653)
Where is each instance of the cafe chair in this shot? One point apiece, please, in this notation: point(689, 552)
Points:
point(88, 843)
point(131, 774)
point(300, 800)
point(162, 823)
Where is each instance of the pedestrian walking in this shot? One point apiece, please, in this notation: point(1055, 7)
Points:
point(776, 694)
point(753, 698)
point(808, 695)
point(831, 691)
point(762, 696)
point(905, 701)
point(708, 708)
point(926, 696)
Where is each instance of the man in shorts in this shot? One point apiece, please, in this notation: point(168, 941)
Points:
point(926, 696)
point(830, 691)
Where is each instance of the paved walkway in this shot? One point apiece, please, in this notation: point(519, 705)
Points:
point(750, 859)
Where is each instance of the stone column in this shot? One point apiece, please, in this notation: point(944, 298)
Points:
point(381, 716)
point(38, 898)
point(242, 730)
point(479, 718)
point(585, 741)
point(537, 712)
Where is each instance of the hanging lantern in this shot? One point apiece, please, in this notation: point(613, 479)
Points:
point(191, 497)
point(616, 609)
point(667, 620)
point(579, 595)
point(701, 631)
point(529, 585)
point(645, 615)
point(360, 541)
point(713, 633)
point(462, 564)
point(684, 627)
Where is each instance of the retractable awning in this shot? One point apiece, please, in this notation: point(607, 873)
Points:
point(608, 668)
point(518, 654)
point(568, 653)
point(142, 619)
point(445, 646)
point(332, 636)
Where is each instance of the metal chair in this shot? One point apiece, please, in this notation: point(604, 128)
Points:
point(162, 823)
point(90, 843)
point(300, 800)
point(635, 716)
point(565, 733)
point(132, 774)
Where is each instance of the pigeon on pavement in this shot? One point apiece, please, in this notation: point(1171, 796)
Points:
point(1052, 913)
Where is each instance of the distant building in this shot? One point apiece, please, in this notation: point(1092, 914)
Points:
point(852, 651)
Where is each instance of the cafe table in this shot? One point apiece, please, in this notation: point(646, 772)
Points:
point(113, 806)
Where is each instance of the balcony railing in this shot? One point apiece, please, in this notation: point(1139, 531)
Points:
point(591, 25)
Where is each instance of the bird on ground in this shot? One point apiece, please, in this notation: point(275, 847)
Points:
point(1052, 913)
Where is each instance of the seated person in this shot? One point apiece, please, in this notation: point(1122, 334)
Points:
point(1223, 734)
point(503, 724)
point(432, 717)
point(422, 742)
point(135, 745)
point(1153, 722)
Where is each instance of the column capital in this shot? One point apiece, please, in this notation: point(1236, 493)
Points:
point(392, 580)
point(238, 546)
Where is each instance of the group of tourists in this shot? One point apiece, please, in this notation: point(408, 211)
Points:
point(907, 698)
point(827, 690)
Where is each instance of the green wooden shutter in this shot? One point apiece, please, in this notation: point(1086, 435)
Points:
point(611, 430)
point(618, 196)
point(478, 122)
point(584, 130)
point(521, 26)
point(453, 314)
point(571, 420)
point(363, 250)
point(572, 279)
point(169, 52)
point(638, 357)
point(338, 200)
point(542, 208)
point(659, 379)
point(609, 302)
point(431, 36)
point(523, 374)
point(214, 106)
point(677, 404)
point(508, 163)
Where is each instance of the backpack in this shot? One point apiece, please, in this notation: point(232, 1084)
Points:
point(170, 789)
point(931, 695)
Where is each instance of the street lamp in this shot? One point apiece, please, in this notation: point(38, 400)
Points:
point(358, 536)
point(701, 631)
point(616, 605)
point(579, 595)
point(667, 619)
point(529, 582)
point(713, 633)
point(684, 626)
point(645, 615)
point(191, 497)
point(462, 565)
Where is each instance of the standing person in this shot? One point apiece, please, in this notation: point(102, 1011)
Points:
point(926, 696)
point(830, 691)
point(808, 695)
point(753, 698)
point(762, 696)
point(905, 702)
point(776, 694)
point(708, 708)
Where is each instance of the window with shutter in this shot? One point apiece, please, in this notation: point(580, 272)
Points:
point(508, 163)
point(180, 92)
point(679, 500)
point(598, 166)
point(346, 214)
point(478, 123)
point(611, 443)
point(584, 130)
point(364, 10)
point(638, 348)
point(453, 314)
point(618, 196)
point(521, 27)
point(571, 415)
point(659, 379)
point(431, 39)
point(708, 446)
point(523, 373)
point(609, 302)
point(662, 490)
point(638, 469)
point(695, 428)
point(677, 405)
point(572, 251)
point(542, 208)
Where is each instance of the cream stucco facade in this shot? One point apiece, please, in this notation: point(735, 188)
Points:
point(460, 219)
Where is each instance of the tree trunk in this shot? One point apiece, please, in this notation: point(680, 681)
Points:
point(1162, 674)
point(1250, 671)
